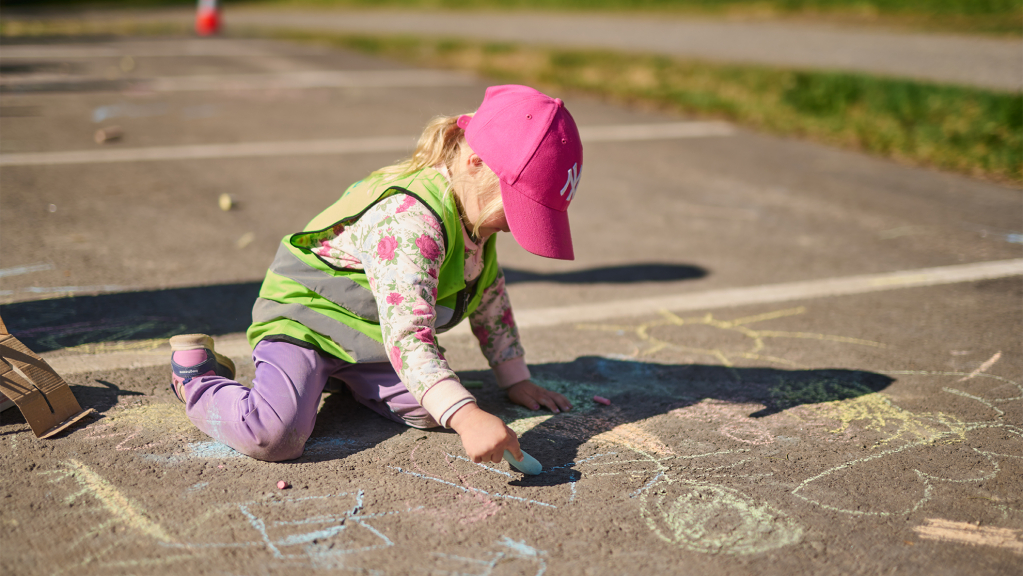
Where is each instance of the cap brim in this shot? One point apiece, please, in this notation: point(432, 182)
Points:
point(537, 228)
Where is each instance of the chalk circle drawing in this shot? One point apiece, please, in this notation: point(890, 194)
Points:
point(713, 519)
point(698, 515)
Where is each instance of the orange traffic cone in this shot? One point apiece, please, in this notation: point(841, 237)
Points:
point(207, 19)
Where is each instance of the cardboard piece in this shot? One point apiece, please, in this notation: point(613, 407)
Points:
point(43, 397)
point(5, 402)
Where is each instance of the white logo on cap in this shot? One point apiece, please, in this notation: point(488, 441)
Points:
point(573, 181)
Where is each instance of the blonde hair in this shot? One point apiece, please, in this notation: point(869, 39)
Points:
point(443, 142)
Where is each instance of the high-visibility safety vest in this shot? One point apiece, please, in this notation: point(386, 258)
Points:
point(306, 300)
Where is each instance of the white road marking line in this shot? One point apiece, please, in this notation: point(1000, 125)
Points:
point(405, 144)
point(19, 270)
point(635, 132)
point(235, 345)
point(769, 294)
point(313, 79)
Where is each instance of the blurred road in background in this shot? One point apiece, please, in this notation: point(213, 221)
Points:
point(742, 300)
point(987, 62)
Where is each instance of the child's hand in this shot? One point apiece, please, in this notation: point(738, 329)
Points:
point(528, 394)
point(484, 436)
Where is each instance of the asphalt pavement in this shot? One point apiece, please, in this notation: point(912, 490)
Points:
point(813, 356)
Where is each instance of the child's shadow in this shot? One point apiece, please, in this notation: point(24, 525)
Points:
point(637, 391)
point(640, 390)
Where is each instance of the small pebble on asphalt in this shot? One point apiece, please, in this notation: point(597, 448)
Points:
point(108, 134)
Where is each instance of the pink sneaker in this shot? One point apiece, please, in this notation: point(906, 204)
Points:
point(192, 356)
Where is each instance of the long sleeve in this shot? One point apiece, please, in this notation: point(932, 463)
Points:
point(399, 244)
point(494, 326)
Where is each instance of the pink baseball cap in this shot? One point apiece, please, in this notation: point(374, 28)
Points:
point(531, 142)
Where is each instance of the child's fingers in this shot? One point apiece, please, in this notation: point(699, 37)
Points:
point(550, 404)
point(513, 446)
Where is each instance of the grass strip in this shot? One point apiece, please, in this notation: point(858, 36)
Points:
point(967, 130)
point(1001, 17)
point(995, 17)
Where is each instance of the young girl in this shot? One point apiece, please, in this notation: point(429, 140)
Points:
point(407, 253)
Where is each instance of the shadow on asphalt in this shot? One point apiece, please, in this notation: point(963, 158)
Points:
point(637, 390)
point(45, 325)
point(640, 390)
point(627, 274)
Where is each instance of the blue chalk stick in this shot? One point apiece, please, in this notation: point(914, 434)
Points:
point(529, 465)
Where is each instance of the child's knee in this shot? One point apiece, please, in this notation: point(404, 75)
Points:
point(276, 452)
point(277, 444)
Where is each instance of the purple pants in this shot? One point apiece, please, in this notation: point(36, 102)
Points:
point(272, 420)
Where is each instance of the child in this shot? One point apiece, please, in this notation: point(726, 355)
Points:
point(407, 253)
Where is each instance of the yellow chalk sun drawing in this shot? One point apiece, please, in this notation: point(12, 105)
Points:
point(672, 332)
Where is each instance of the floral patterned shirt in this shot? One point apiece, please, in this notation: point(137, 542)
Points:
point(400, 245)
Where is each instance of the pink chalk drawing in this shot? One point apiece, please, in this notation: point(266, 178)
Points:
point(736, 424)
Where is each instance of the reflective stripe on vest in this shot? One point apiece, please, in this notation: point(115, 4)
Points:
point(340, 290)
point(360, 347)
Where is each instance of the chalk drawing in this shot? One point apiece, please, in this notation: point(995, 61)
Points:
point(679, 516)
point(317, 531)
point(908, 433)
point(318, 446)
point(687, 510)
point(472, 490)
point(515, 552)
point(750, 344)
point(983, 367)
point(118, 346)
point(709, 518)
point(164, 422)
point(736, 424)
point(212, 450)
point(833, 408)
point(633, 436)
point(147, 427)
point(82, 337)
point(876, 412)
point(522, 425)
point(124, 510)
point(972, 534)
